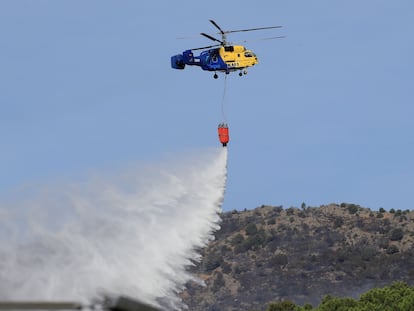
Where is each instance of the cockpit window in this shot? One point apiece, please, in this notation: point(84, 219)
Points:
point(249, 54)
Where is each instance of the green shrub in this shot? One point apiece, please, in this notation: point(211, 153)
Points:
point(271, 221)
point(396, 234)
point(392, 249)
point(285, 305)
point(368, 253)
point(226, 267)
point(240, 248)
point(290, 211)
point(302, 214)
point(279, 260)
point(218, 282)
point(352, 208)
point(212, 261)
point(237, 239)
point(398, 296)
point(330, 303)
point(251, 229)
point(338, 222)
point(383, 242)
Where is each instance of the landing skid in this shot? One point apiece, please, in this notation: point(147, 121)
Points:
point(241, 73)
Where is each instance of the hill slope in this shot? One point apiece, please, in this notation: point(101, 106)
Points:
point(271, 254)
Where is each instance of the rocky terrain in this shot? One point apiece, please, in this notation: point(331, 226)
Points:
point(301, 254)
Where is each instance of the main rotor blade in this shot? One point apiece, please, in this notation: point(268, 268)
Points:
point(261, 39)
point(187, 37)
point(210, 37)
point(252, 29)
point(217, 26)
point(206, 47)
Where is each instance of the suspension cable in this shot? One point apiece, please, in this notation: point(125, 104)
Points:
point(223, 114)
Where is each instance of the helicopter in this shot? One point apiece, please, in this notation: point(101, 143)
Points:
point(221, 57)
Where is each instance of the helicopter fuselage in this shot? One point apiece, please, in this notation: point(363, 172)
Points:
point(224, 59)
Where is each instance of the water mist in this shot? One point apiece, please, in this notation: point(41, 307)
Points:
point(129, 233)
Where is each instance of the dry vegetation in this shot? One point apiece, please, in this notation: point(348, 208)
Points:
point(302, 254)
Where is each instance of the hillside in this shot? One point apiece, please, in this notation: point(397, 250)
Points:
point(272, 254)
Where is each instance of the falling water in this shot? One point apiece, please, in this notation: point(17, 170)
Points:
point(132, 232)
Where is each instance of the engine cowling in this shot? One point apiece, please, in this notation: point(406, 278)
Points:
point(177, 62)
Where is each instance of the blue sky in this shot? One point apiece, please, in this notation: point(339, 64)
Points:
point(326, 116)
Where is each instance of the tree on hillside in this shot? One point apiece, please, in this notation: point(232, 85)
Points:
point(399, 296)
point(285, 305)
